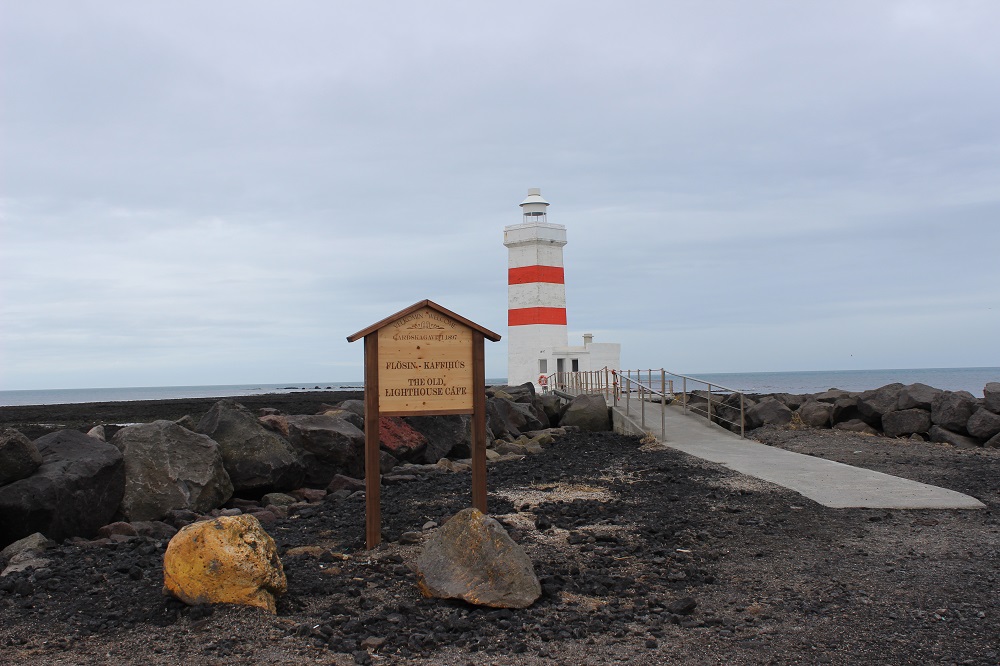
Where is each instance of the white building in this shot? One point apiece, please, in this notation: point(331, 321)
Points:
point(537, 341)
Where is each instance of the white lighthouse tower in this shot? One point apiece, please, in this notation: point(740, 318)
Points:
point(537, 339)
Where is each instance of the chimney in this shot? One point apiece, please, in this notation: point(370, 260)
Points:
point(587, 339)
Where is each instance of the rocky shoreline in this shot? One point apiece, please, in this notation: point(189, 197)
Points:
point(644, 554)
point(916, 411)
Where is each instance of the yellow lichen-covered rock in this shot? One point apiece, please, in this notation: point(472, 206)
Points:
point(227, 560)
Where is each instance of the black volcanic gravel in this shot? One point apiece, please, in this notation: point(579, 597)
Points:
point(645, 556)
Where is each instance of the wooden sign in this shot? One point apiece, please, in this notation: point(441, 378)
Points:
point(425, 365)
point(424, 360)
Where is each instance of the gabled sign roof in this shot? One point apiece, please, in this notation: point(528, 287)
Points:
point(488, 334)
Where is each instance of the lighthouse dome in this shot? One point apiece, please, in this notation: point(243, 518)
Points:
point(534, 204)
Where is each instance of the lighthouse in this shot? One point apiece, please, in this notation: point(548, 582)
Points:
point(537, 338)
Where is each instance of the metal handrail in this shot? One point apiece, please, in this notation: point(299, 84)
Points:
point(741, 424)
point(617, 384)
point(642, 389)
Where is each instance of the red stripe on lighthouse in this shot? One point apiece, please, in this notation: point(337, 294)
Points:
point(527, 316)
point(529, 274)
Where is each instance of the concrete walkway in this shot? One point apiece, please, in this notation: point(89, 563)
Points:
point(829, 483)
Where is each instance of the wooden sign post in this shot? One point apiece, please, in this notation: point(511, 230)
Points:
point(427, 361)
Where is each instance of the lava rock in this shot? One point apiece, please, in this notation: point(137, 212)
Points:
point(471, 557)
point(856, 425)
point(169, 467)
point(945, 436)
point(952, 410)
point(991, 397)
point(872, 405)
point(506, 417)
point(36, 542)
point(341, 482)
point(401, 439)
point(816, 414)
point(983, 424)
point(75, 491)
point(588, 412)
point(769, 411)
point(833, 395)
point(845, 409)
point(256, 458)
point(917, 396)
point(683, 606)
point(328, 445)
point(906, 422)
point(446, 436)
point(19, 458)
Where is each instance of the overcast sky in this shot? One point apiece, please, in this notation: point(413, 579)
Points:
point(220, 192)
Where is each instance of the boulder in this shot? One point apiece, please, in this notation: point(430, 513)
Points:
point(35, 543)
point(952, 409)
point(521, 393)
point(942, 435)
point(328, 446)
point(534, 415)
point(588, 412)
point(917, 396)
point(341, 482)
point(227, 560)
point(769, 411)
point(24, 560)
point(453, 465)
point(98, 432)
point(983, 424)
point(169, 467)
point(77, 489)
point(471, 557)
point(386, 462)
point(446, 436)
point(277, 499)
point(400, 438)
point(993, 442)
point(816, 414)
point(906, 422)
point(502, 418)
point(552, 407)
point(346, 414)
point(791, 400)
point(845, 409)
point(532, 447)
point(856, 425)
point(728, 416)
point(515, 448)
point(256, 458)
point(276, 422)
point(356, 406)
point(19, 458)
point(872, 405)
point(118, 528)
point(991, 397)
point(832, 395)
point(187, 421)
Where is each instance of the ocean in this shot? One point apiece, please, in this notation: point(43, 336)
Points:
point(953, 379)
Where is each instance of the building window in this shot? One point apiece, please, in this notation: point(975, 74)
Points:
point(576, 365)
point(543, 365)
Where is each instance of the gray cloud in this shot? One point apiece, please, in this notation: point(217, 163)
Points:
point(221, 192)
